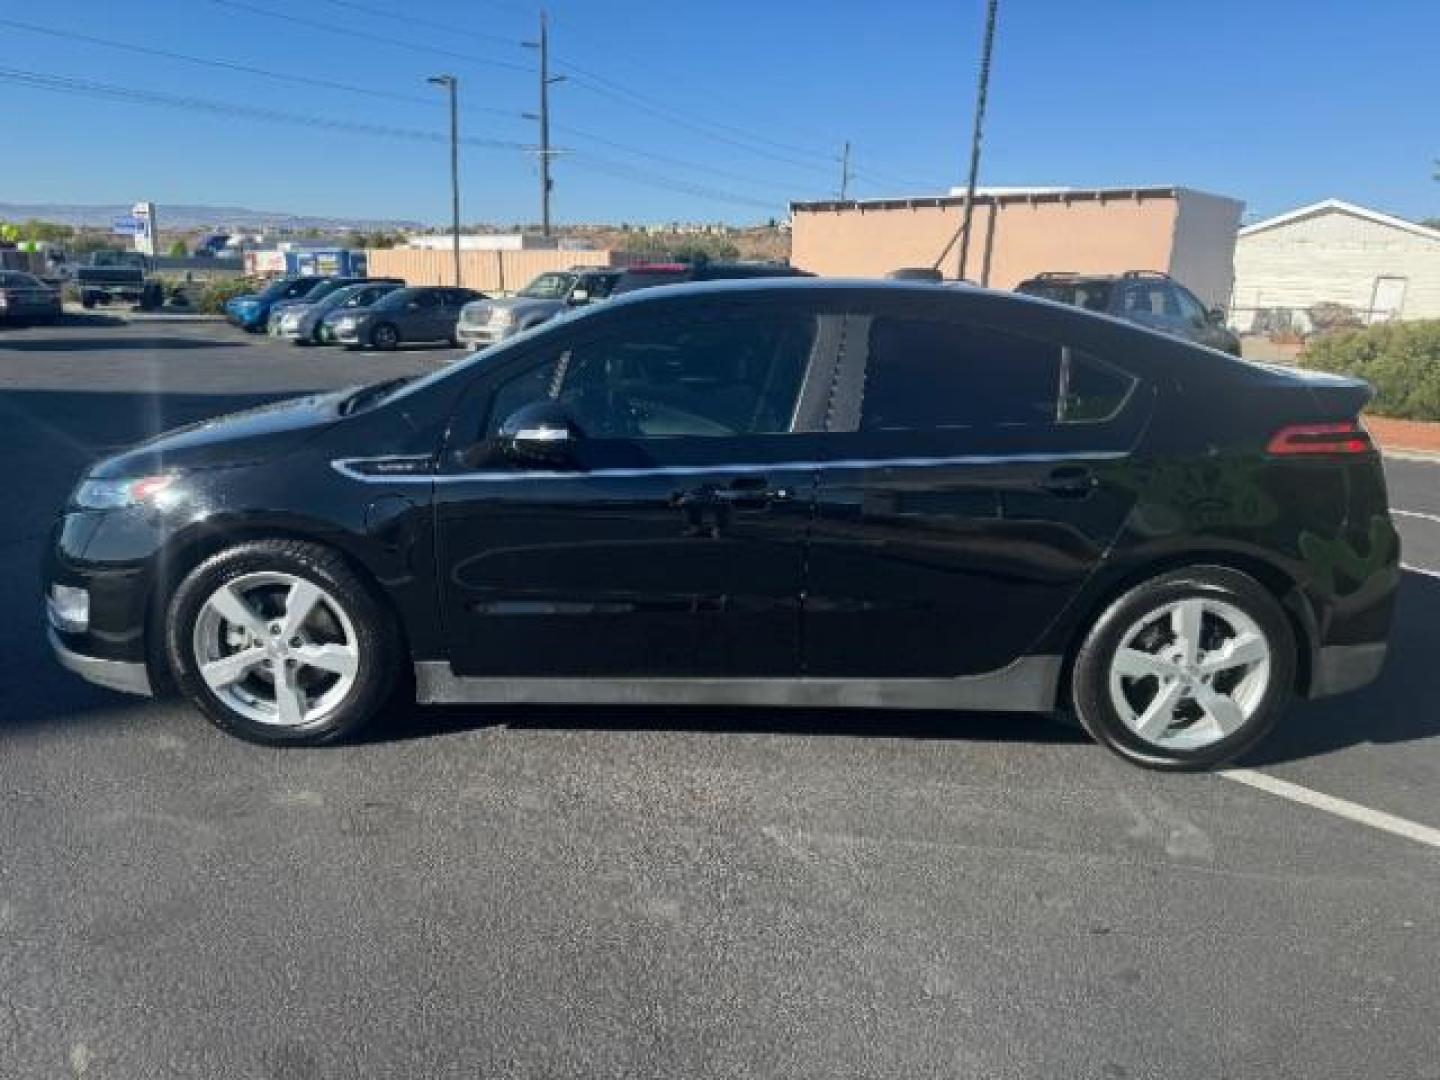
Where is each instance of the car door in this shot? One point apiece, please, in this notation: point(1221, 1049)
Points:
point(980, 486)
point(423, 316)
point(671, 542)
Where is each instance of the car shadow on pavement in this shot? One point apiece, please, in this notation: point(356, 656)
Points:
point(89, 344)
point(1399, 707)
point(402, 723)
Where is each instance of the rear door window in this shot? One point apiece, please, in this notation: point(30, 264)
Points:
point(927, 375)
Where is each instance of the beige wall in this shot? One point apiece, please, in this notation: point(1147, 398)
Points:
point(1015, 238)
point(488, 271)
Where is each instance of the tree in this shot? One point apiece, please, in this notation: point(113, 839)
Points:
point(178, 250)
point(1431, 222)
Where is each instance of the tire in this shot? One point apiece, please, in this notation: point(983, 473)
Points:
point(339, 666)
point(1138, 690)
point(385, 337)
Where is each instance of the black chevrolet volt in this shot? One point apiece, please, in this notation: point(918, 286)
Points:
point(766, 493)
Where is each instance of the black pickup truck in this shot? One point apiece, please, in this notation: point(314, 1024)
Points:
point(125, 276)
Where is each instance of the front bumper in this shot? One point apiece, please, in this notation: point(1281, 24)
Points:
point(480, 336)
point(129, 677)
point(348, 336)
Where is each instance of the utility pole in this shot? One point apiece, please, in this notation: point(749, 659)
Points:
point(546, 79)
point(452, 84)
point(845, 171)
point(982, 92)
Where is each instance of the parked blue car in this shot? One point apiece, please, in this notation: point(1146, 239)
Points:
point(252, 311)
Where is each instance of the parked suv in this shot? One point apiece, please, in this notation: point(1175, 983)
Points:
point(427, 314)
point(1146, 297)
point(769, 493)
point(488, 321)
point(648, 275)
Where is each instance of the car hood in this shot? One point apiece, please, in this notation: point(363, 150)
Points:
point(250, 437)
point(519, 305)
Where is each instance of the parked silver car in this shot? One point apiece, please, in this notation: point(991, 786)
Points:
point(488, 321)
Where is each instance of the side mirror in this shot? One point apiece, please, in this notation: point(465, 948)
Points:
point(579, 296)
point(542, 433)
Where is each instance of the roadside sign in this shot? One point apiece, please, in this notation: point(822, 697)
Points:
point(126, 226)
point(144, 215)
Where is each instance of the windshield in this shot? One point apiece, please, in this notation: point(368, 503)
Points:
point(549, 287)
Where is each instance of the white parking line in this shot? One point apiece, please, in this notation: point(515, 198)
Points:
point(1435, 518)
point(1376, 819)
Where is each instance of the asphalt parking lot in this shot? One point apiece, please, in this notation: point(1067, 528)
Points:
point(608, 892)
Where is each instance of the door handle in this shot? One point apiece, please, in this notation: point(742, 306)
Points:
point(1070, 482)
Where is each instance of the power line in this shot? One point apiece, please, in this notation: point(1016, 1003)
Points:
point(131, 95)
point(363, 35)
point(665, 159)
point(639, 176)
point(244, 69)
point(592, 81)
point(304, 80)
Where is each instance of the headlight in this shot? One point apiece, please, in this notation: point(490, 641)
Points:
point(290, 318)
point(501, 316)
point(346, 322)
point(157, 491)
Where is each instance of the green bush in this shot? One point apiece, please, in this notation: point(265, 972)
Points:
point(213, 297)
point(1400, 359)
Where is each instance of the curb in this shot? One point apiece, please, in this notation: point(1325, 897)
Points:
point(1400, 453)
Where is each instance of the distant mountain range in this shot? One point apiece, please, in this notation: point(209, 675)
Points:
point(186, 217)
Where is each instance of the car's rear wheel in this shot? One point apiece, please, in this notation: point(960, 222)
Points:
point(279, 642)
point(385, 337)
point(1187, 670)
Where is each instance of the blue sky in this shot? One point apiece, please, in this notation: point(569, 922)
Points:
point(1276, 102)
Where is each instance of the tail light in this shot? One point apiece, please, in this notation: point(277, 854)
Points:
point(1292, 440)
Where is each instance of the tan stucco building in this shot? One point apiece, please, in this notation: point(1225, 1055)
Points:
point(1020, 232)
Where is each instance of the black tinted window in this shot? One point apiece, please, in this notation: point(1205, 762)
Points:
point(675, 378)
point(925, 374)
point(929, 374)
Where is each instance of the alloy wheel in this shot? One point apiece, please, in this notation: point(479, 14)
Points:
point(277, 649)
point(1190, 674)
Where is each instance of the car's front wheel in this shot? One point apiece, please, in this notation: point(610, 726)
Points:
point(1187, 670)
point(280, 642)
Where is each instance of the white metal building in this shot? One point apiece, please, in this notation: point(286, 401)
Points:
point(1334, 252)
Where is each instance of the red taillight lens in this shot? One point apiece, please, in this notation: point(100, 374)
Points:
point(1345, 438)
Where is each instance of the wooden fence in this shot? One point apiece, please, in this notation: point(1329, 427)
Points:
point(488, 271)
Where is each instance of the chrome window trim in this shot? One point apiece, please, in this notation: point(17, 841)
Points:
point(347, 467)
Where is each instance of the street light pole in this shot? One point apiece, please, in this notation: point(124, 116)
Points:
point(452, 84)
